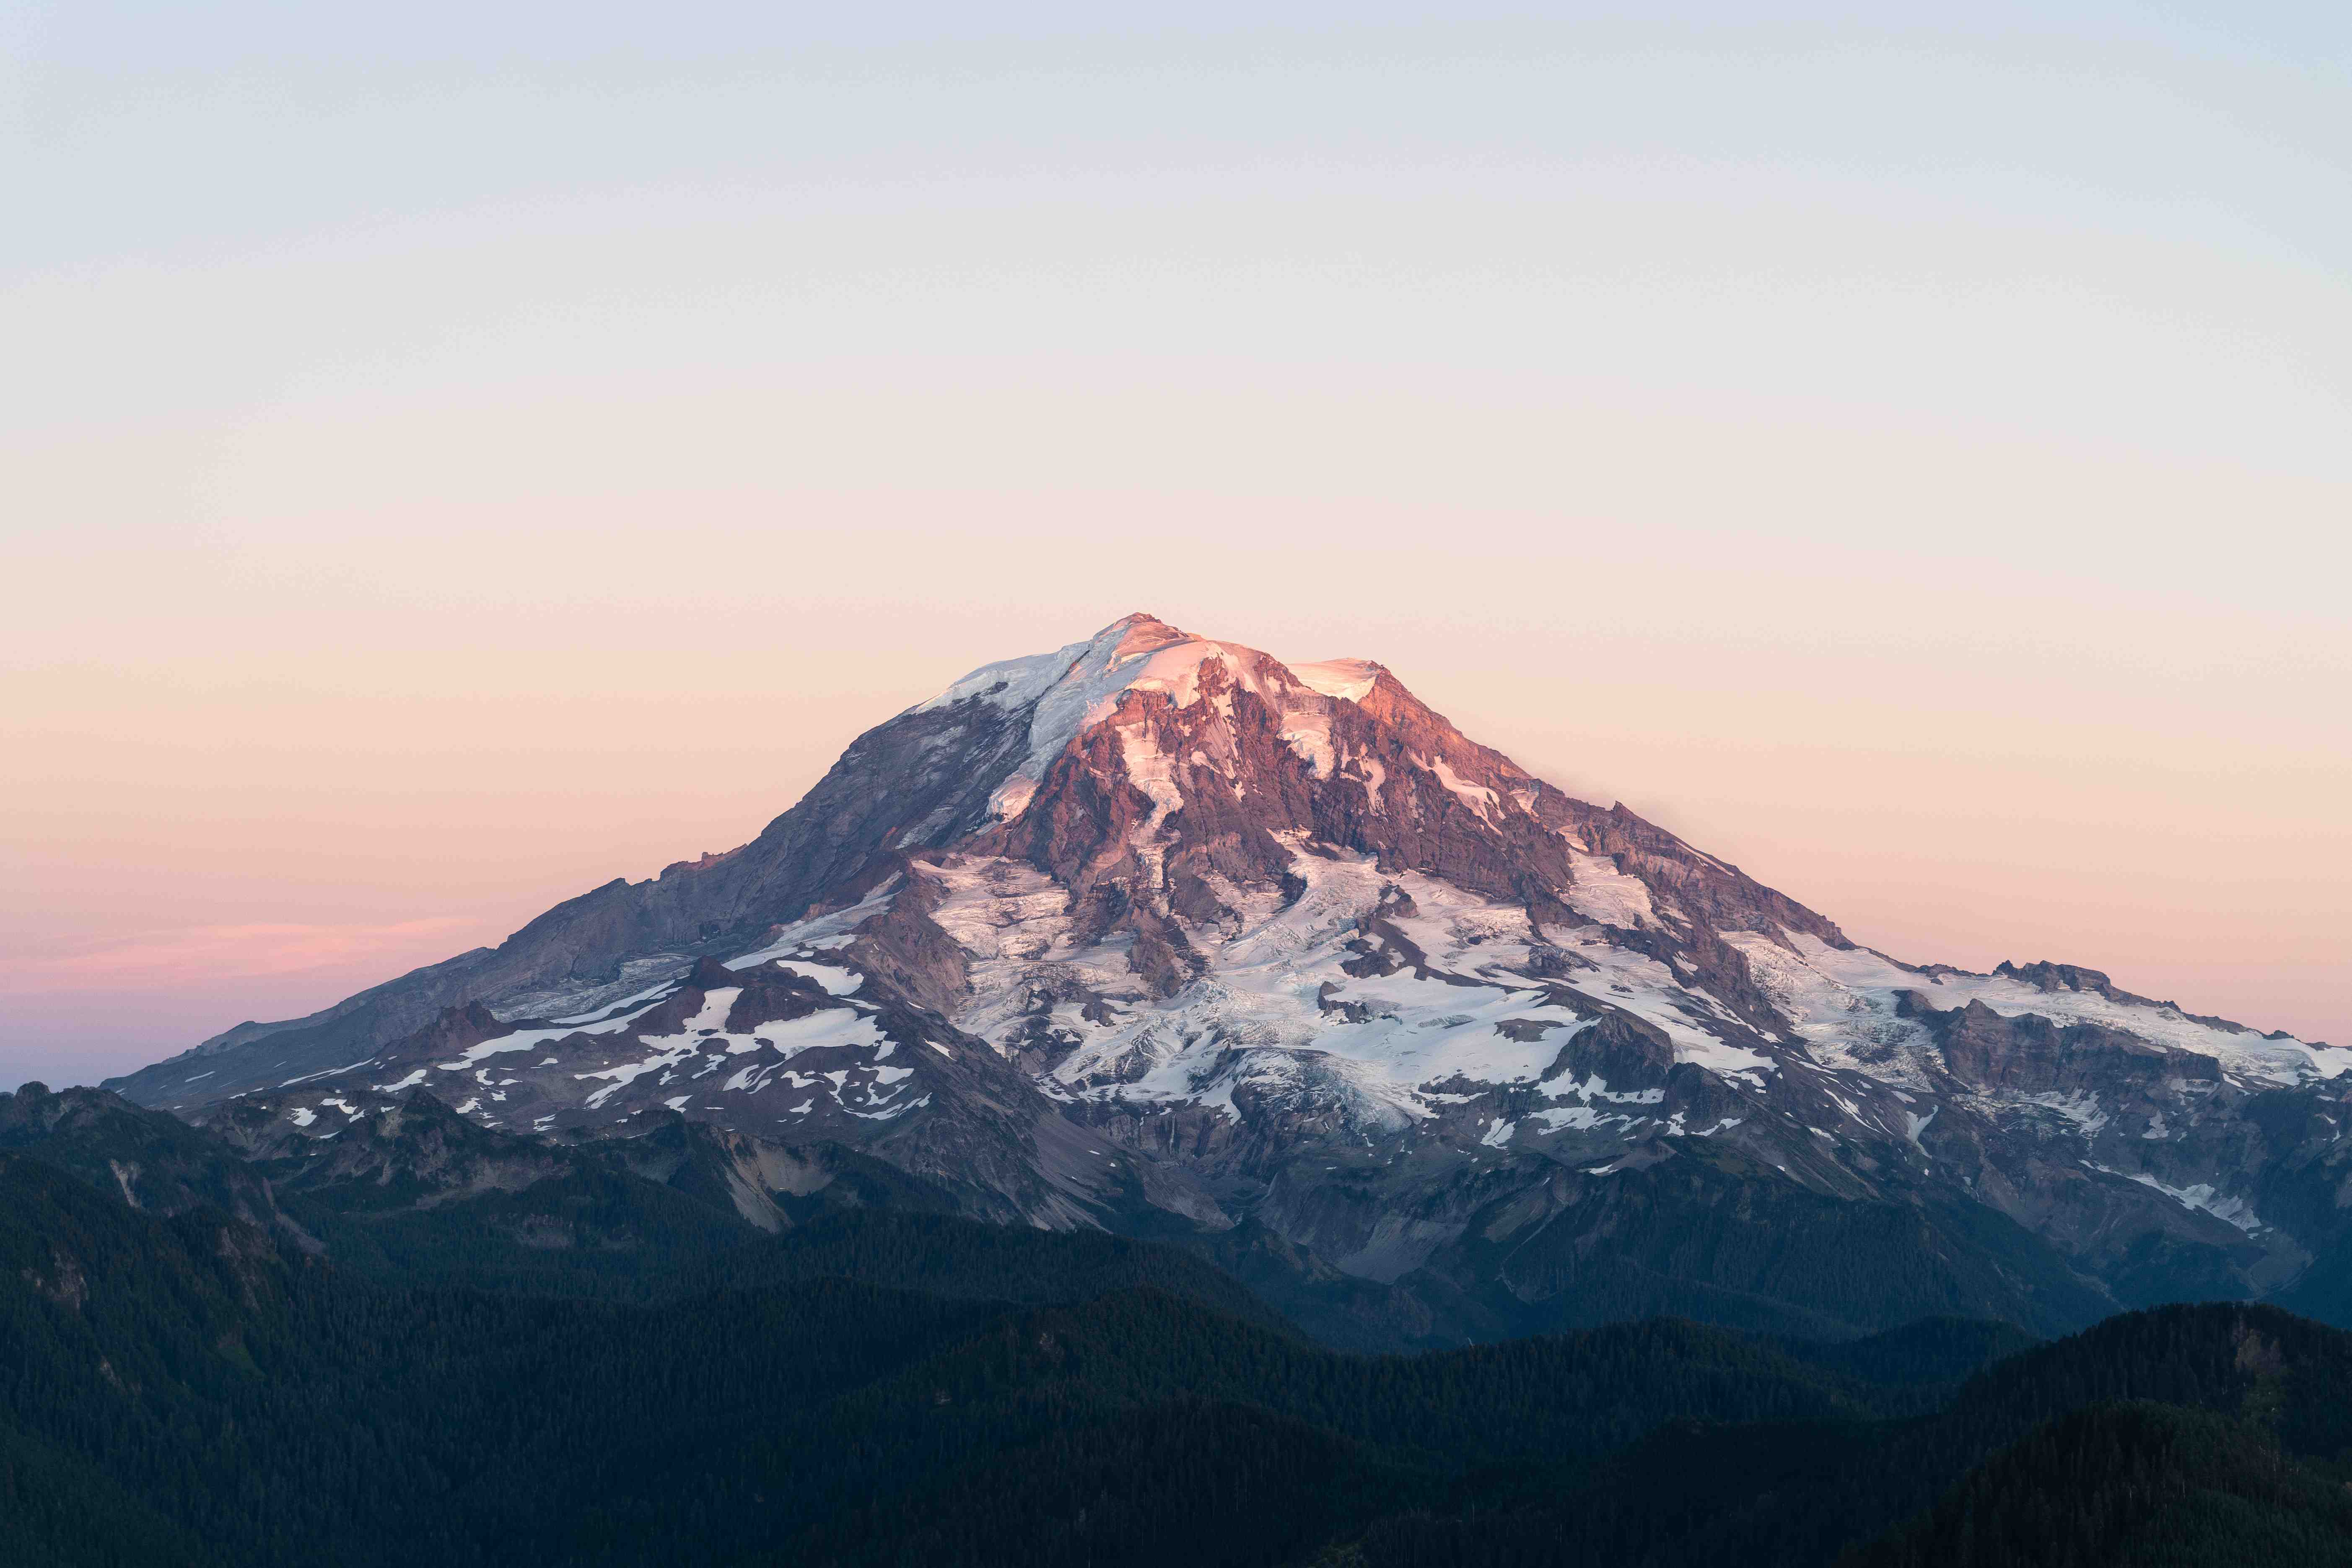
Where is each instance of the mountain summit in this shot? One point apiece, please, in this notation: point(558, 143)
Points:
point(1162, 934)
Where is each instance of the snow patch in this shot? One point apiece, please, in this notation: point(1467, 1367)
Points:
point(2200, 1195)
point(1477, 796)
point(820, 933)
point(1276, 1015)
point(526, 1039)
point(1600, 891)
point(1853, 993)
point(1348, 679)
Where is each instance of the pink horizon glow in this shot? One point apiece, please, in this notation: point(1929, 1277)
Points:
point(454, 458)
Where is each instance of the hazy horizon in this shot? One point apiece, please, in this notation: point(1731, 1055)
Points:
point(457, 458)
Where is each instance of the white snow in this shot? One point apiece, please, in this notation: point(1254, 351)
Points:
point(1599, 891)
point(301, 1116)
point(604, 1015)
point(2081, 1108)
point(525, 1039)
point(2199, 1196)
point(779, 1043)
point(1151, 771)
point(1254, 1019)
point(820, 933)
point(1688, 1018)
point(668, 1051)
point(1597, 1087)
point(1842, 1026)
point(1841, 999)
point(1477, 796)
point(837, 981)
point(324, 1072)
point(1308, 733)
point(1075, 687)
point(1348, 679)
point(1576, 1119)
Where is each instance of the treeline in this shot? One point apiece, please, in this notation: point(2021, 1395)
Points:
point(182, 1391)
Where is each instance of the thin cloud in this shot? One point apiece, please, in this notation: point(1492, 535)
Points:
point(231, 951)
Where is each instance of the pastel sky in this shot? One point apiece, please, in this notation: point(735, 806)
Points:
point(451, 456)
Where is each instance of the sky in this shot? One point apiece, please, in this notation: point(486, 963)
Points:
point(453, 456)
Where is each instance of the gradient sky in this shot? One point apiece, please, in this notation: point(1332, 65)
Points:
point(452, 455)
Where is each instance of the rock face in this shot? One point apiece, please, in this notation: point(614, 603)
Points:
point(1157, 933)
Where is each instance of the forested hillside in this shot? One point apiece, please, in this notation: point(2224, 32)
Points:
point(184, 1389)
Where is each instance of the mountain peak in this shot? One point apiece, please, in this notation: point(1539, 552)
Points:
point(1069, 690)
point(1137, 651)
point(1139, 632)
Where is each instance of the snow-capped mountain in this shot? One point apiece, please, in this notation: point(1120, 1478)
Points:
point(1159, 932)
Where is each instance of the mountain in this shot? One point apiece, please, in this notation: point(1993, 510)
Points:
point(1159, 934)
